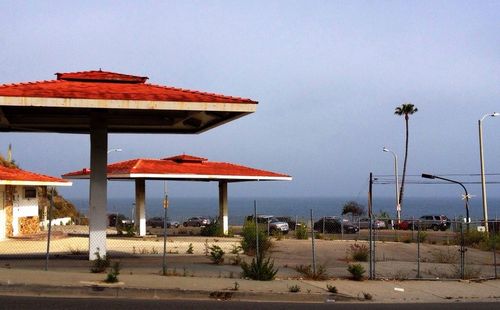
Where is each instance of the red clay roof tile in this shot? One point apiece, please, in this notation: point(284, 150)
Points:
point(14, 174)
point(111, 86)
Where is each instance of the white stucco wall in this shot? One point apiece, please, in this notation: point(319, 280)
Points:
point(22, 207)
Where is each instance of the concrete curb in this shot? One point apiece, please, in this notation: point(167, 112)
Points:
point(119, 291)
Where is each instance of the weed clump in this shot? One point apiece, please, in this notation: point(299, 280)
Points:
point(359, 252)
point(307, 272)
point(259, 269)
point(100, 263)
point(357, 271)
point(112, 276)
point(216, 254)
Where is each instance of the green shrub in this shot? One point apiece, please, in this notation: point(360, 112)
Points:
point(422, 236)
point(216, 254)
point(100, 263)
point(472, 238)
point(359, 252)
point(248, 242)
point(214, 229)
point(112, 276)
point(259, 269)
point(308, 273)
point(301, 231)
point(357, 271)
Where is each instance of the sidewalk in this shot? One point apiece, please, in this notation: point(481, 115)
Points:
point(155, 286)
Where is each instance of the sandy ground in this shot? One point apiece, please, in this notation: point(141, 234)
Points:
point(395, 260)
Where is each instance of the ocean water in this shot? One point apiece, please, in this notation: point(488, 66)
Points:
point(181, 208)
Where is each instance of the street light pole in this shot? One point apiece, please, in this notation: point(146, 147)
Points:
point(483, 177)
point(466, 198)
point(398, 206)
point(114, 150)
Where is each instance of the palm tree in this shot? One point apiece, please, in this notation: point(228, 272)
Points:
point(405, 109)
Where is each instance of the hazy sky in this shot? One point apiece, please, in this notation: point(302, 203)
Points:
point(327, 75)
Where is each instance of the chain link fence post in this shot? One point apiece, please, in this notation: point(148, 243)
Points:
point(51, 207)
point(313, 246)
point(419, 236)
point(256, 230)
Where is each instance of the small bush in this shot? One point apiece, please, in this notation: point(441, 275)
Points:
point(112, 276)
point(100, 263)
point(357, 271)
point(307, 272)
point(216, 254)
point(248, 242)
point(214, 229)
point(294, 289)
point(422, 236)
point(359, 252)
point(472, 238)
point(301, 231)
point(259, 269)
point(332, 289)
point(190, 249)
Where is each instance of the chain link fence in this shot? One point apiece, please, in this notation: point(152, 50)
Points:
point(385, 248)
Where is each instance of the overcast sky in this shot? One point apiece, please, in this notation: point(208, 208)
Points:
point(327, 76)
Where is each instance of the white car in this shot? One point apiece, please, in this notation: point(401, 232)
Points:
point(376, 224)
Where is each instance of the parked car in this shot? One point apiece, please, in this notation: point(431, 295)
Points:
point(119, 219)
point(271, 222)
point(158, 222)
point(434, 222)
point(196, 221)
point(364, 223)
point(332, 224)
point(291, 223)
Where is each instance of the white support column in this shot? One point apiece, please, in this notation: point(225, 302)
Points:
point(140, 207)
point(98, 189)
point(223, 206)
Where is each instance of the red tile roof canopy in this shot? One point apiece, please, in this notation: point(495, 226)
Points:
point(183, 167)
point(14, 176)
point(111, 85)
point(128, 103)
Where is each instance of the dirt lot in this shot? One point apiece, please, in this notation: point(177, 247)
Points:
point(144, 255)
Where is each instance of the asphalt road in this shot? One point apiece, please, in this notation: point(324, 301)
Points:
point(53, 303)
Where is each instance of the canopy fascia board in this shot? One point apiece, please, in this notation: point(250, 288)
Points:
point(181, 177)
point(34, 183)
point(126, 104)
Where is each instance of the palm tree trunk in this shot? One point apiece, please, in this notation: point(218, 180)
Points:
point(401, 192)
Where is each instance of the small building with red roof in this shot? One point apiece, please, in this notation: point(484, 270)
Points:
point(181, 168)
point(19, 200)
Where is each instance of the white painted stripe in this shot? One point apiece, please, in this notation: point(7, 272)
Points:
point(35, 183)
point(207, 177)
point(126, 104)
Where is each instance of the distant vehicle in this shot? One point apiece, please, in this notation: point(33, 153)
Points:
point(364, 223)
point(291, 223)
point(271, 222)
point(332, 224)
point(120, 219)
point(196, 221)
point(158, 222)
point(434, 222)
